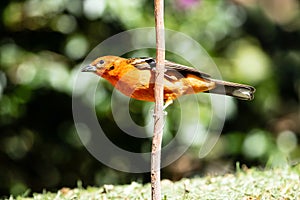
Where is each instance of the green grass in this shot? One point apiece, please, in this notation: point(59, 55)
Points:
point(246, 184)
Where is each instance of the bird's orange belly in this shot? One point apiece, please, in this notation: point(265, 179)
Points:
point(141, 86)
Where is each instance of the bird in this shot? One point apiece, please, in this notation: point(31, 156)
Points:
point(135, 78)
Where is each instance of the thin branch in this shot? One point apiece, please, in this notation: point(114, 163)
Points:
point(159, 94)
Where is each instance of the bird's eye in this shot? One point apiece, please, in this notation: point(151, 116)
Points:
point(101, 62)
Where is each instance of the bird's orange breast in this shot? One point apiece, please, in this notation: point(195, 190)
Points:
point(132, 82)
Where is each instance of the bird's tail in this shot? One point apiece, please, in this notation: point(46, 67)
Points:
point(240, 91)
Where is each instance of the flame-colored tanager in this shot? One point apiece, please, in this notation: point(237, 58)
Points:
point(135, 77)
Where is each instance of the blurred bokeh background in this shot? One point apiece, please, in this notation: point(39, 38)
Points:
point(43, 43)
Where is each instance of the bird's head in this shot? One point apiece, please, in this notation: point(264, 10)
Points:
point(101, 65)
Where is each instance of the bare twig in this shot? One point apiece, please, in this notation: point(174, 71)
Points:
point(159, 93)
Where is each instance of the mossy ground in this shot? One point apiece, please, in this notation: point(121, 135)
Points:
point(280, 183)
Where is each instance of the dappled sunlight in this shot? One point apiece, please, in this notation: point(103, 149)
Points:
point(284, 13)
point(44, 44)
point(76, 46)
point(255, 144)
point(250, 63)
point(287, 141)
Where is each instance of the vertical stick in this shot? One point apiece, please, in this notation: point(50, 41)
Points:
point(159, 94)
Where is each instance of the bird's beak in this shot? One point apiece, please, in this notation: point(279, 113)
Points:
point(89, 68)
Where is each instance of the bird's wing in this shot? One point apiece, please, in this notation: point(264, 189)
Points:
point(182, 69)
point(148, 63)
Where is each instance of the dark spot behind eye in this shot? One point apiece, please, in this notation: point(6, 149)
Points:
point(112, 67)
point(101, 62)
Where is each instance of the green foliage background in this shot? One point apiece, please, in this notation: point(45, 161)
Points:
point(43, 43)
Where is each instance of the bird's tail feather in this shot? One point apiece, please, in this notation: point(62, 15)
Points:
point(240, 91)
